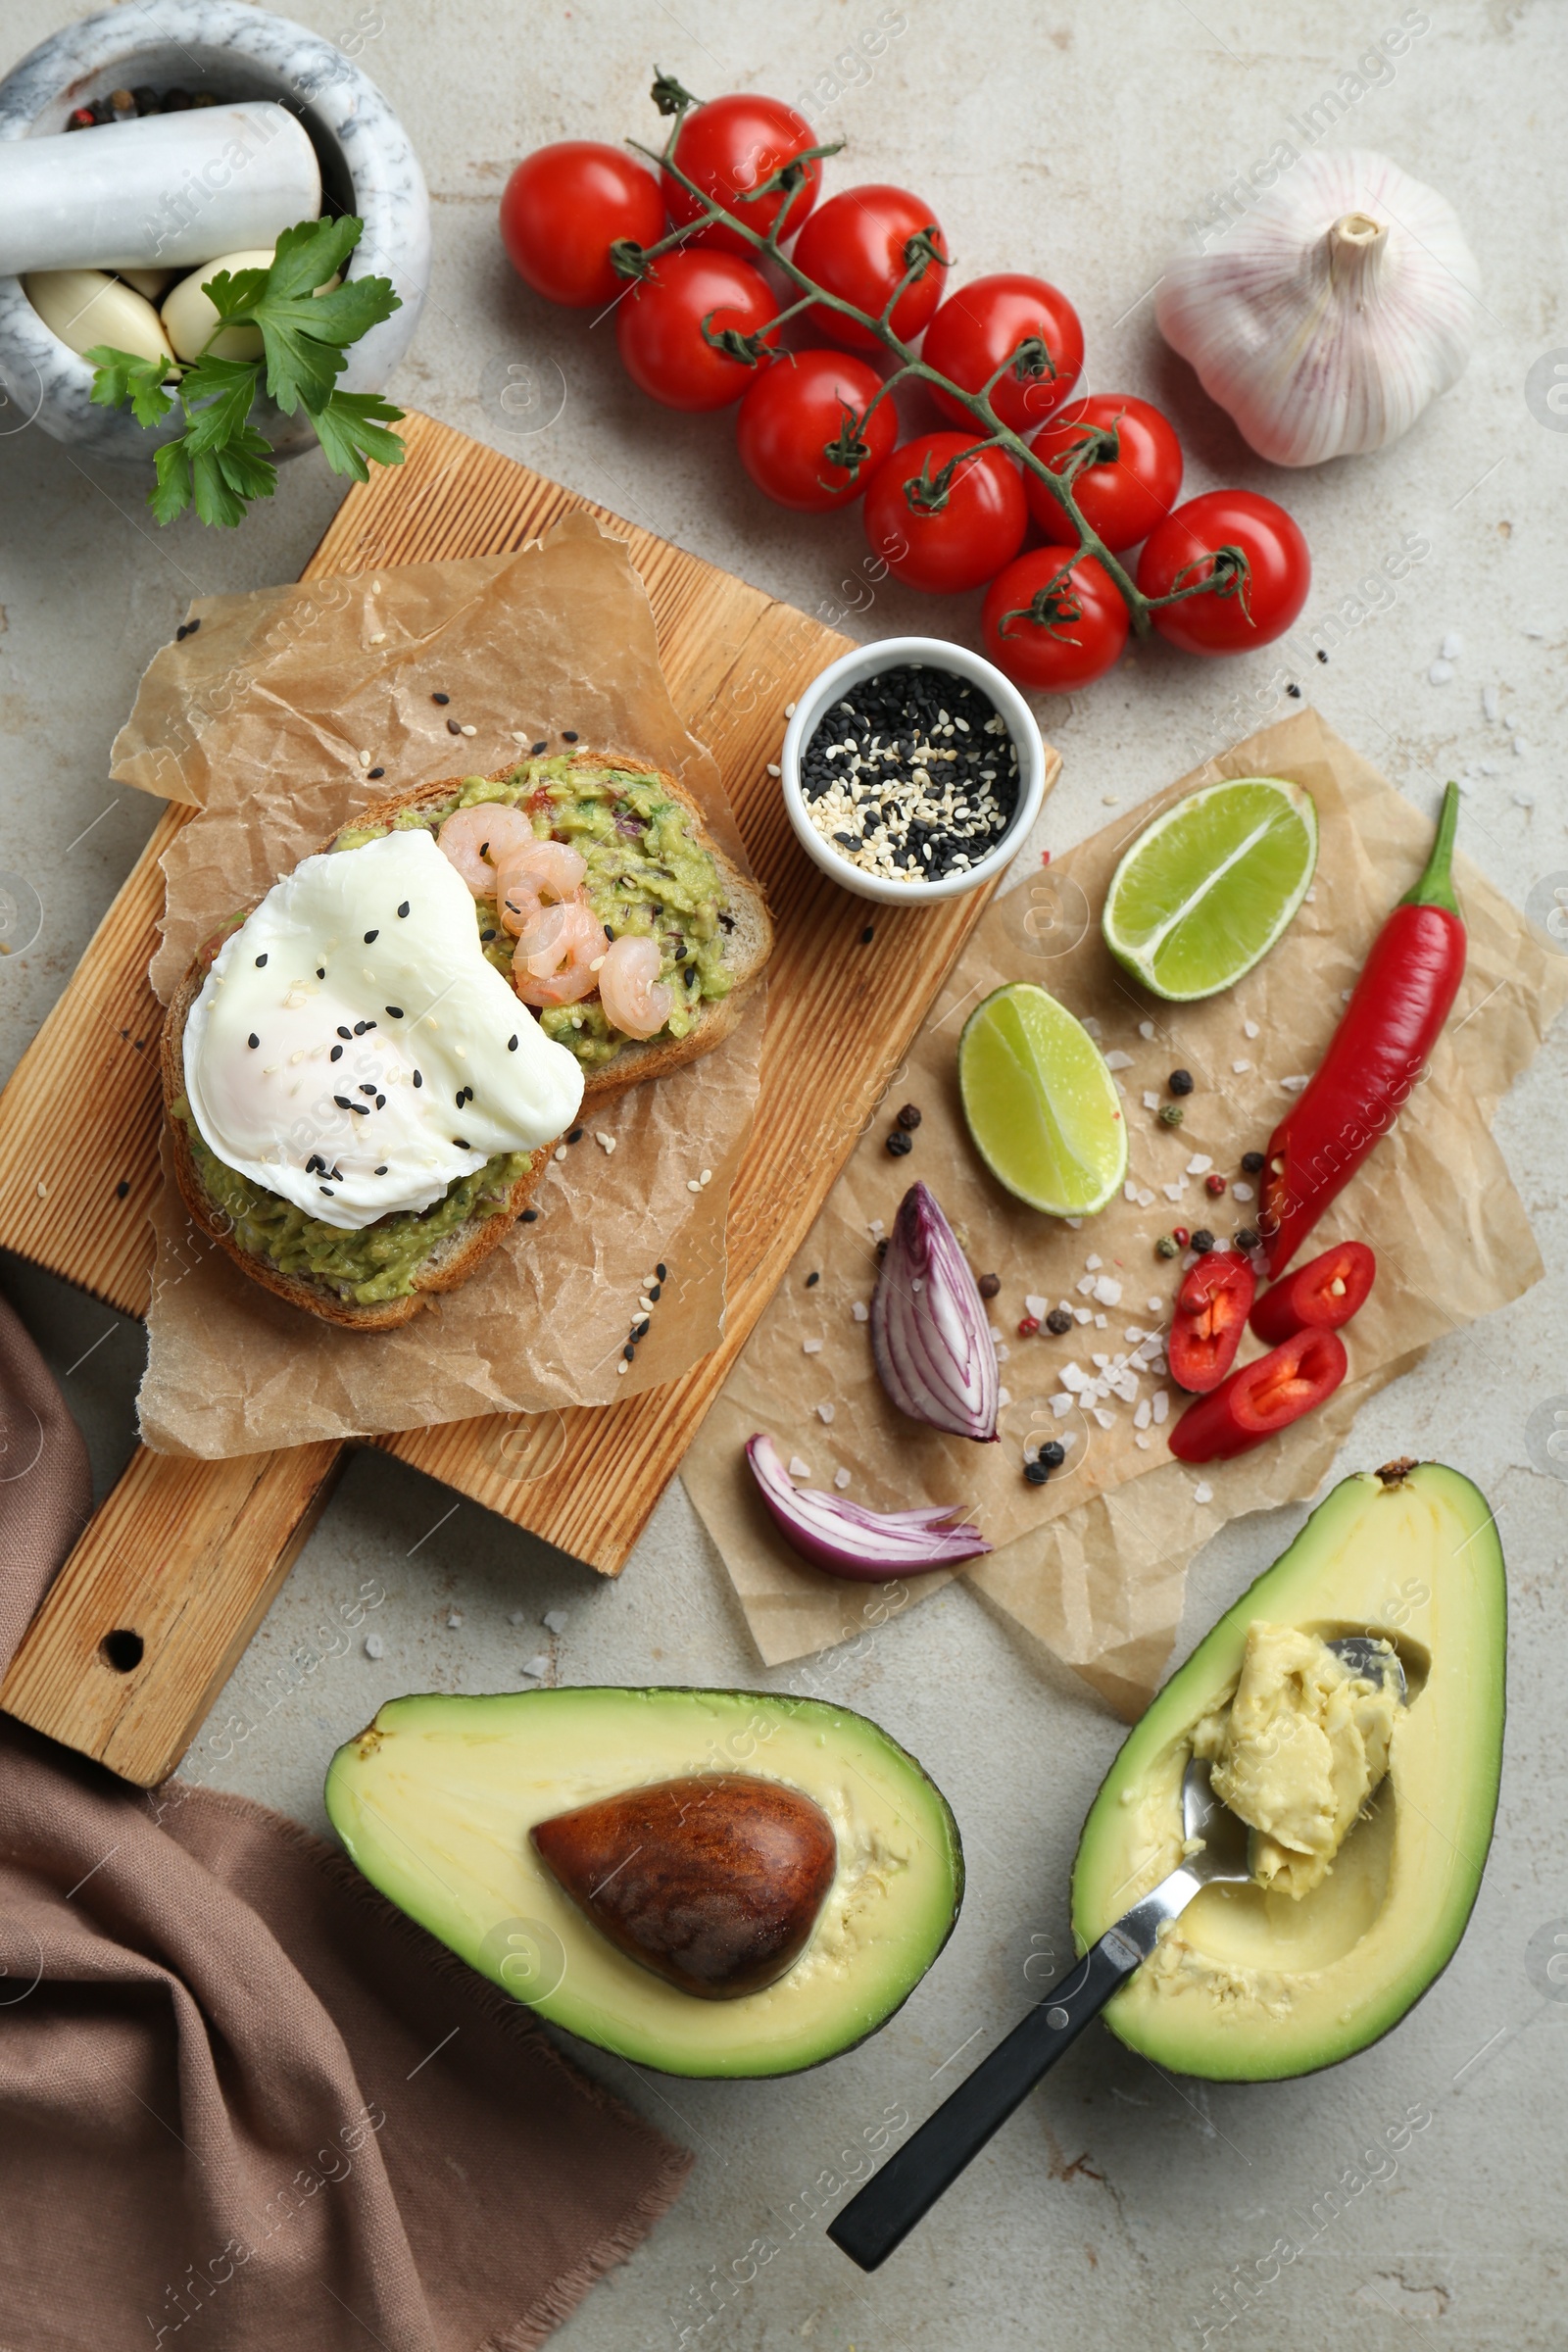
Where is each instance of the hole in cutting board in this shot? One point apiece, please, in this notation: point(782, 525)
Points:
point(121, 1649)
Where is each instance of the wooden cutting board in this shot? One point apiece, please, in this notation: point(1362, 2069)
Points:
point(155, 1605)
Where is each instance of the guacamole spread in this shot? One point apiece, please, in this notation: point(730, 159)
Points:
point(646, 874)
point(378, 1262)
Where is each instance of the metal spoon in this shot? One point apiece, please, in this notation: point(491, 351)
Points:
point(910, 2183)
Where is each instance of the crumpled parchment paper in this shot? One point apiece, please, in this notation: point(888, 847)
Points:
point(267, 719)
point(1093, 1565)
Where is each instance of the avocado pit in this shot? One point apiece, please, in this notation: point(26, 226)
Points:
point(714, 1881)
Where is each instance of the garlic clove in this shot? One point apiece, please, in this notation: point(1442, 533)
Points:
point(1329, 316)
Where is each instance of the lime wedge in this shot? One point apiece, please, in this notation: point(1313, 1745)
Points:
point(1207, 888)
point(1042, 1107)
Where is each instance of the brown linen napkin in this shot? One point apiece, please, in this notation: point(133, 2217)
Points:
point(243, 2102)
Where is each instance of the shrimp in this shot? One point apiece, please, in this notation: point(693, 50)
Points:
point(556, 958)
point(492, 831)
point(635, 1000)
point(535, 875)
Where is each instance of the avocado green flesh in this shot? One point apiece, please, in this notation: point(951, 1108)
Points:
point(1249, 1986)
point(646, 875)
point(657, 882)
point(435, 1799)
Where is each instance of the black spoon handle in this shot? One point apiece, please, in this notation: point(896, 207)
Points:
point(910, 2183)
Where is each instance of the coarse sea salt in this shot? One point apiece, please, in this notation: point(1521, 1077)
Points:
point(1241, 1190)
point(1150, 1099)
point(1118, 1060)
point(841, 1479)
point(859, 1310)
point(1199, 1164)
point(1251, 1029)
point(810, 1347)
point(1146, 1028)
point(1202, 1491)
point(1160, 1401)
point(825, 1412)
point(797, 1468)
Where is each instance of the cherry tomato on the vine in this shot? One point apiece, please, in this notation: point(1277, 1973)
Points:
point(1053, 638)
point(978, 527)
point(659, 327)
point(1246, 611)
point(979, 327)
point(854, 246)
point(563, 208)
point(730, 146)
point(1123, 498)
point(794, 412)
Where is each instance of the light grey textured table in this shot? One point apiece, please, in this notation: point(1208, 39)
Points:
point(1075, 141)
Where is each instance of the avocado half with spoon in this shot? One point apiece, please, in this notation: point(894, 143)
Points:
point(1250, 1984)
point(705, 1882)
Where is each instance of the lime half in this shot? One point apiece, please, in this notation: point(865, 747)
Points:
point(1207, 888)
point(1042, 1107)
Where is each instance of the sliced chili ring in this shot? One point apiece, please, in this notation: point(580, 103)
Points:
point(1265, 1397)
point(1320, 1295)
point(1211, 1316)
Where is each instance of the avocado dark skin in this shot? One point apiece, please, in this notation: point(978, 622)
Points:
point(713, 1881)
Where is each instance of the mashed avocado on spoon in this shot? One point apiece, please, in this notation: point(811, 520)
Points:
point(1296, 1753)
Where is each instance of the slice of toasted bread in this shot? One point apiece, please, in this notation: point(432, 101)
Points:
point(455, 1256)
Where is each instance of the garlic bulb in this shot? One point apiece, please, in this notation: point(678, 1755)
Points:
point(1331, 312)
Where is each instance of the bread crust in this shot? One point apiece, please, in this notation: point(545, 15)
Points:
point(455, 1259)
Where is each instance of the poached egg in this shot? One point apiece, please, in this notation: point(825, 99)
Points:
point(353, 1051)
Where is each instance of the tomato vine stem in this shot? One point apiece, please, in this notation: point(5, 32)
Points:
point(1030, 360)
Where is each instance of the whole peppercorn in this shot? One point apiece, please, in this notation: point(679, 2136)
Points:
point(1028, 1325)
point(1171, 1114)
point(910, 1115)
point(1214, 1184)
point(1180, 1082)
point(1179, 1235)
point(1059, 1320)
point(1246, 1238)
point(989, 1285)
point(1053, 1454)
point(1203, 1239)
point(882, 1248)
point(1167, 1246)
point(898, 1143)
point(1036, 1472)
point(1252, 1162)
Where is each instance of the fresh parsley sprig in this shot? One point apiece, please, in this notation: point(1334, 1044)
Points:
point(221, 462)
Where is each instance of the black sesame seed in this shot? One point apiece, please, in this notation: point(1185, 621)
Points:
point(609, 933)
point(1180, 1082)
point(316, 1165)
point(369, 935)
point(1295, 692)
point(342, 1101)
point(361, 1111)
point(867, 935)
point(380, 1102)
point(661, 1270)
point(1252, 1162)
point(1321, 655)
point(654, 1292)
point(344, 1032)
point(575, 1136)
point(463, 1096)
point(530, 1216)
point(440, 698)
point(569, 734)
point(487, 935)
point(453, 726)
point(359, 1027)
point(380, 1171)
point(461, 1143)
point(373, 772)
point(1059, 1320)
point(395, 1012)
point(882, 1249)
point(320, 971)
point(404, 908)
point(325, 1191)
point(540, 747)
point(512, 1045)
point(253, 1040)
point(260, 961)
point(640, 1330)
point(1053, 1454)
point(121, 1189)
point(629, 1353)
point(417, 1078)
point(811, 1280)
point(336, 1053)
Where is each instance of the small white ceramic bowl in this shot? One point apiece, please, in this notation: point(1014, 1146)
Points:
point(866, 661)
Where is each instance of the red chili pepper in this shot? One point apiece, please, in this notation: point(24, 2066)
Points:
point(1375, 1056)
point(1264, 1397)
point(1210, 1317)
point(1321, 1296)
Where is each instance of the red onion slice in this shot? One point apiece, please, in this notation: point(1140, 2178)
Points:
point(846, 1538)
point(933, 1347)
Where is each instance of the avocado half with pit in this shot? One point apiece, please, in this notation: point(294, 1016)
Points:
point(705, 1882)
point(1248, 1985)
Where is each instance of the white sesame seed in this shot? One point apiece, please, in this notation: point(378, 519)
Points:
point(365, 759)
point(775, 769)
point(692, 1184)
point(471, 730)
point(606, 1143)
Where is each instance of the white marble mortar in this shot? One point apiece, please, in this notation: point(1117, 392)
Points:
point(236, 52)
